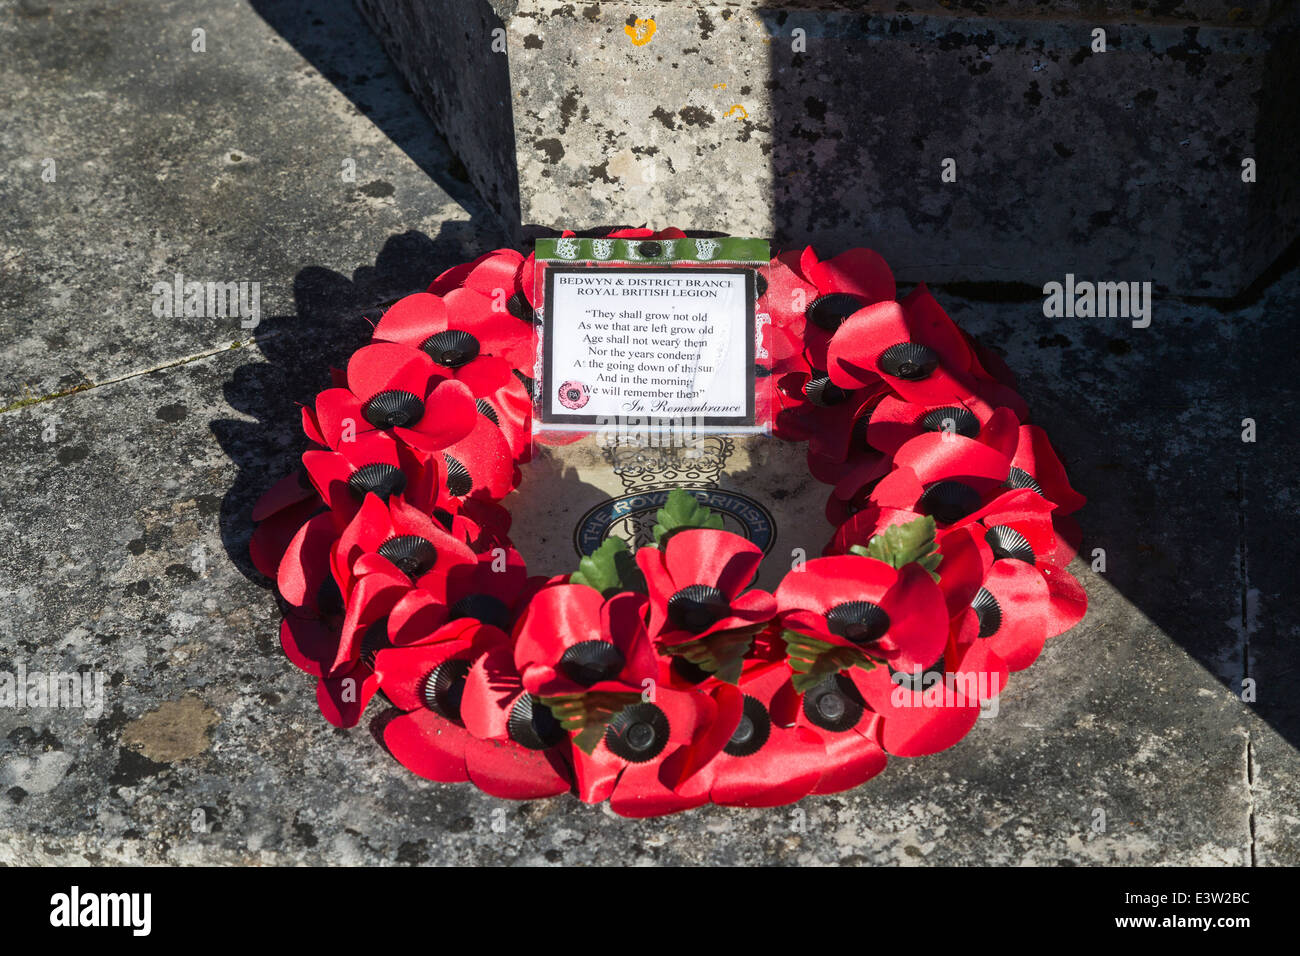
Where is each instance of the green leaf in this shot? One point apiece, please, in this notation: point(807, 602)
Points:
point(586, 715)
point(722, 653)
point(609, 569)
point(683, 510)
point(814, 660)
point(902, 544)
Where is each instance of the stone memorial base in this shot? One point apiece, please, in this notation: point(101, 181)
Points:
point(835, 122)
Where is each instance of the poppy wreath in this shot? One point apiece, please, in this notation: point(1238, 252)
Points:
point(662, 680)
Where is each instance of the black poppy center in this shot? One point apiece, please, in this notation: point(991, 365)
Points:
point(590, 662)
point(532, 725)
point(413, 555)
point(955, 419)
point(858, 621)
point(459, 481)
point(829, 311)
point(697, 608)
point(444, 687)
point(910, 361)
point(834, 704)
point(451, 348)
point(393, 409)
point(1019, 478)
point(482, 607)
point(1007, 542)
point(821, 391)
point(949, 501)
point(917, 680)
point(753, 730)
point(637, 733)
point(487, 411)
point(379, 478)
point(650, 249)
point(517, 305)
point(760, 285)
point(988, 611)
point(374, 640)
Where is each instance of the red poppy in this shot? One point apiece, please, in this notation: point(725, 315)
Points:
point(835, 713)
point(896, 615)
point(815, 410)
point(467, 719)
point(764, 763)
point(895, 421)
point(651, 749)
point(471, 332)
point(571, 640)
point(943, 475)
point(278, 514)
point(924, 709)
point(375, 463)
point(843, 285)
point(399, 390)
point(480, 465)
point(885, 342)
point(697, 583)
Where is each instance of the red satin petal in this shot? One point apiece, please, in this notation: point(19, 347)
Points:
point(918, 620)
point(1034, 454)
point(386, 366)
point(310, 645)
point(288, 491)
point(851, 759)
point(930, 325)
point(507, 770)
point(343, 699)
point(402, 670)
point(491, 689)
point(1022, 595)
point(428, 746)
point(412, 320)
point(825, 582)
point(918, 730)
point(714, 558)
point(450, 415)
point(271, 538)
point(961, 572)
point(937, 456)
point(1069, 601)
point(858, 343)
point(860, 272)
point(305, 564)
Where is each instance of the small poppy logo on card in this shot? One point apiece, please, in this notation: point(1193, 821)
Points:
point(640, 32)
point(574, 394)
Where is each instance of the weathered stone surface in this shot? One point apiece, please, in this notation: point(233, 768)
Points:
point(224, 166)
point(1132, 713)
point(831, 122)
point(126, 521)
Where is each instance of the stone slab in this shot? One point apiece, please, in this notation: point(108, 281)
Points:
point(126, 519)
point(224, 166)
point(831, 123)
point(1130, 713)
